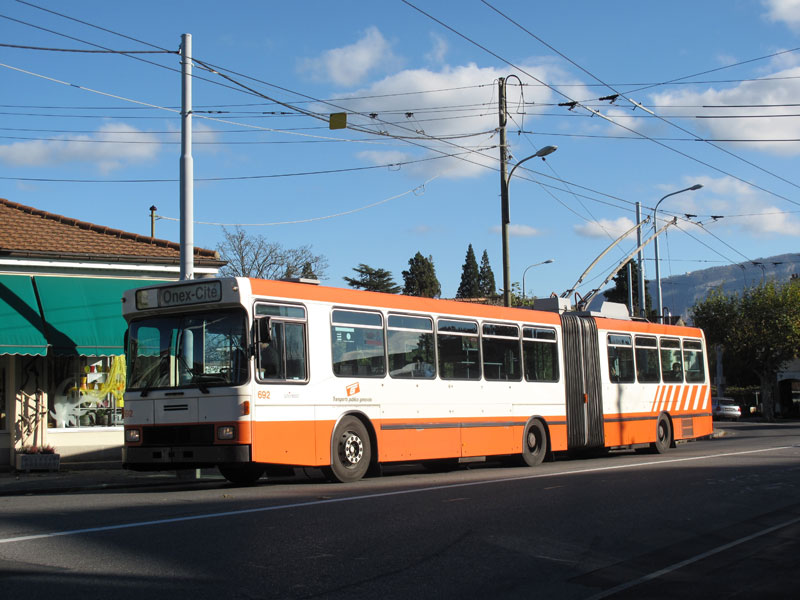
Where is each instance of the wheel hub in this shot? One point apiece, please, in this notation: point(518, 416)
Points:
point(353, 448)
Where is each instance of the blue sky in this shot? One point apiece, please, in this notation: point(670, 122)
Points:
point(417, 92)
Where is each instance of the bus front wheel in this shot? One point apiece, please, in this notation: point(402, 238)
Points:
point(351, 452)
point(242, 474)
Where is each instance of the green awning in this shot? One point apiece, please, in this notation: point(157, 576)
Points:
point(83, 315)
point(21, 326)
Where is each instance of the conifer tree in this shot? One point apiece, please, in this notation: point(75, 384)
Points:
point(373, 280)
point(420, 279)
point(486, 277)
point(470, 277)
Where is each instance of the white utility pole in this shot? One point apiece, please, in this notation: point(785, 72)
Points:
point(187, 166)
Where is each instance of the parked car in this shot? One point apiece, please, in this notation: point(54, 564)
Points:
point(725, 408)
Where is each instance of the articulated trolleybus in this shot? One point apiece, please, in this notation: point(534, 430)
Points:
point(256, 376)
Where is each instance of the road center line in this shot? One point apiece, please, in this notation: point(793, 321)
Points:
point(232, 513)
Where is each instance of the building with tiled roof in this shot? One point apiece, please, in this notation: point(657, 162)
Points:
point(27, 233)
point(62, 364)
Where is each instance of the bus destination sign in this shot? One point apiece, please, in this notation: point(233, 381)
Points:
point(179, 295)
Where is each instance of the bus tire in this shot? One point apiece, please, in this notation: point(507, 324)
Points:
point(663, 436)
point(534, 443)
point(242, 474)
point(351, 452)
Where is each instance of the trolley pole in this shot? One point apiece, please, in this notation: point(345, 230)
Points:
point(187, 166)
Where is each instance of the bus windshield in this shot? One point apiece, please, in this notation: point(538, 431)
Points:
point(189, 350)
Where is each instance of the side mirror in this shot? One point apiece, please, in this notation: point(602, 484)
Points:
point(264, 330)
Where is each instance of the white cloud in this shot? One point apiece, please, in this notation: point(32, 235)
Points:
point(349, 65)
point(384, 157)
point(746, 100)
point(605, 228)
point(457, 103)
point(522, 231)
point(769, 221)
point(439, 50)
point(785, 11)
point(744, 209)
point(108, 149)
point(515, 230)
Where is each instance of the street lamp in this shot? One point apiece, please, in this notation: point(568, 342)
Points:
point(544, 262)
point(655, 246)
point(506, 220)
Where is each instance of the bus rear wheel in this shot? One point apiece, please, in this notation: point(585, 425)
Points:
point(663, 436)
point(351, 452)
point(534, 443)
point(242, 474)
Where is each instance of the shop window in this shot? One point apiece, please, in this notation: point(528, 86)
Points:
point(86, 391)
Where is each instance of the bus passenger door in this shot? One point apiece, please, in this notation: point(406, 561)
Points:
point(584, 400)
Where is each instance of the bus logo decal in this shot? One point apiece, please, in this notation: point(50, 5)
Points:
point(353, 389)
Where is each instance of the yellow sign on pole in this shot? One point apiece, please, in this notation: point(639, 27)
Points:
point(338, 121)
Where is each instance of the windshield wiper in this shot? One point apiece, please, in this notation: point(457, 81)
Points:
point(200, 385)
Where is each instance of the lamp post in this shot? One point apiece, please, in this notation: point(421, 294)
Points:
point(544, 262)
point(505, 215)
point(655, 246)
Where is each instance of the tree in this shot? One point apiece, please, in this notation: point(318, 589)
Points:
point(373, 280)
point(759, 330)
point(253, 256)
point(420, 279)
point(619, 293)
point(486, 277)
point(470, 277)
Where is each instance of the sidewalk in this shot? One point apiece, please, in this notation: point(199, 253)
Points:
point(81, 477)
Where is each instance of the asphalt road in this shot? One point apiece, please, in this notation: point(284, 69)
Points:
point(709, 519)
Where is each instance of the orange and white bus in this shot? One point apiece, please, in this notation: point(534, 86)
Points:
point(255, 376)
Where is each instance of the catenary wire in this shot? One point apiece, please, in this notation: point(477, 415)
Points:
point(664, 120)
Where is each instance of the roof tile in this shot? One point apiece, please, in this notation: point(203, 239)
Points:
point(24, 229)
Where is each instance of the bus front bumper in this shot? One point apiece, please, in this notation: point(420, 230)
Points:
point(150, 458)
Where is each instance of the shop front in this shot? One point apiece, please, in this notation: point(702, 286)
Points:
point(62, 365)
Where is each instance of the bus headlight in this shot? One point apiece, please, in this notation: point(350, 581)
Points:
point(133, 435)
point(226, 432)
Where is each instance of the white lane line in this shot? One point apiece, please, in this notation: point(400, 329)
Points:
point(232, 513)
point(679, 565)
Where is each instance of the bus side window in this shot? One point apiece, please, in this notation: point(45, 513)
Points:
point(295, 338)
point(357, 343)
point(281, 351)
point(620, 359)
point(648, 369)
point(693, 361)
point(270, 354)
point(540, 354)
point(671, 361)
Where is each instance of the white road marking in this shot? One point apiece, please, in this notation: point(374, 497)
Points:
point(679, 565)
point(233, 513)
